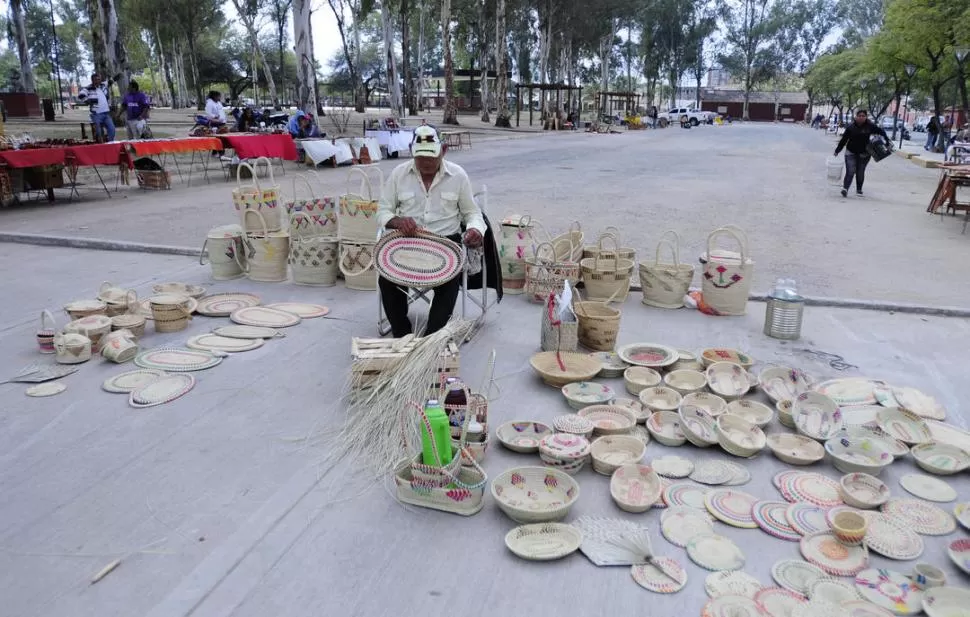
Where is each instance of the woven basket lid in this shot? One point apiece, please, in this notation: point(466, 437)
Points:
point(127, 320)
point(424, 260)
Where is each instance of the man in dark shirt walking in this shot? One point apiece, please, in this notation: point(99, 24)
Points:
point(855, 140)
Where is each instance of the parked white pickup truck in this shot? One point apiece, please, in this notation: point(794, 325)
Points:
point(694, 116)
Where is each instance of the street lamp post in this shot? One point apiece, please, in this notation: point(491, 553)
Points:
point(910, 71)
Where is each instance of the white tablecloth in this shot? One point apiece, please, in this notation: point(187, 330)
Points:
point(373, 146)
point(398, 140)
point(319, 150)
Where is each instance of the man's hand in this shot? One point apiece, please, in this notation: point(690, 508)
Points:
point(836, 153)
point(473, 238)
point(403, 224)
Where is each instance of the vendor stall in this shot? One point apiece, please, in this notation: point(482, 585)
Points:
point(275, 146)
point(48, 163)
point(322, 150)
point(393, 141)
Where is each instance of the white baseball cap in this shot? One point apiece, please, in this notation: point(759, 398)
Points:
point(426, 142)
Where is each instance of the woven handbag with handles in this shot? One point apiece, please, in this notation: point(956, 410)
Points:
point(556, 334)
point(267, 252)
point(607, 275)
point(257, 198)
point(320, 213)
point(357, 265)
point(665, 284)
point(357, 214)
point(726, 281)
point(314, 259)
point(545, 274)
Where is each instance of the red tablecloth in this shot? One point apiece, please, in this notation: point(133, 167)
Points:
point(254, 146)
point(174, 146)
point(33, 158)
point(97, 154)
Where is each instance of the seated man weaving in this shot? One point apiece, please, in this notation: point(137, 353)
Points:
point(432, 194)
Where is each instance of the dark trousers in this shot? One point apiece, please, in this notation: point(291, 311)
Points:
point(855, 165)
point(394, 297)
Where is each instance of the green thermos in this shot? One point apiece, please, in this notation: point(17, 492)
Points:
point(440, 436)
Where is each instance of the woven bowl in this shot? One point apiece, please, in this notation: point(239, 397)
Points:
point(522, 436)
point(700, 427)
point(849, 527)
point(535, 494)
point(738, 436)
point(858, 454)
point(564, 451)
point(728, 380)
point(609, 419)
point(723, 354)
point(860, 490)
point(686, 381)
point(610, 452)
point(581, 394)
point(784, 409)
point(641, 411)
point(666, 429)
point(686, 360)
point(574, 424)
point(661, 398)
point(795, 449)
point(754, 412)
point(635, 488)
point(940, 458)
point(711, 403)
point(579, 367)
point(638, 378)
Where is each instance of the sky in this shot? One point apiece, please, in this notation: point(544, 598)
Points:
point(326, 37)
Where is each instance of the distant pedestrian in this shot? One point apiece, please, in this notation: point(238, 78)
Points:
point(855, 140)
point(932, 132)
point(137, 106)
point(97, 98)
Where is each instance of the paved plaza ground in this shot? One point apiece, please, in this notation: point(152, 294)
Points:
point(217, 503)
point(769, 179)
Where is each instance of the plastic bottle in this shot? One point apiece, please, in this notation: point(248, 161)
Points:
point(476, 432)
point(440, 436)
point(456, 402)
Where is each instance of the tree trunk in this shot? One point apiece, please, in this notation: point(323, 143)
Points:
point(99, 53)
point(393, 85)
point(305, 98)
point(194, 65)
point(337, 7)
point(114, 43)
point(483, 58)
point(962, 82)
point(23, 53)
point(313, 63)
point(405, 25)
point(361, 95)
point(545, 44)
point(249, 23)
point(450, 115)
point(502, 116)
point(606, 47)
point(420, 83)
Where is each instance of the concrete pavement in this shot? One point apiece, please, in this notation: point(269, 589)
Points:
point(217, 504)
point(769, 179)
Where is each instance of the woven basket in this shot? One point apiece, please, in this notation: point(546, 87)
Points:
point(607, 276)
point(357, 265)
point(574, 367)
point(357, 215)
point(665, 284)
point(516, 242)
point(266, 252)
point(599, 325)
point(457, 499)
point(544, 274)
point(727, 280)
point(132, 322)
point(569, 246)
point(154, 180)
point(313, 259)
point(226, 252)
point(170, 317)
point(254, 198)
point(474, 450)
point(613, 233)
point(317, 215)
point(558, 335)
point(611, 452)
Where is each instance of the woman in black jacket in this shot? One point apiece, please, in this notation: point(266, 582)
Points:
point(855, 140)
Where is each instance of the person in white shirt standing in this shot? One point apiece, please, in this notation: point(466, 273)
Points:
point(428, 193)
point(96, 96)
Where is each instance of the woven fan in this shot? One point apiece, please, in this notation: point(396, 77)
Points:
point(37, 373)
point(614, 542)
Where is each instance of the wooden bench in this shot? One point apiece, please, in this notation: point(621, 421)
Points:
point(457, 139)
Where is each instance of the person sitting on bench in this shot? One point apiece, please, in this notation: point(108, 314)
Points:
point(432, 194)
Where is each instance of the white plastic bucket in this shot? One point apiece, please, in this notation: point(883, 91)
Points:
point(833, 169)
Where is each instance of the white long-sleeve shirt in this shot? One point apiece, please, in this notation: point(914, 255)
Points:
point(96, 97)
point(214, 110)
point(441, 209)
